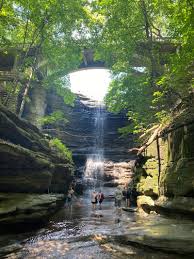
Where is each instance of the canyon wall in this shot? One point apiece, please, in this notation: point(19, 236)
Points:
point(30, 169)
point(79, 133)
point(166, 181)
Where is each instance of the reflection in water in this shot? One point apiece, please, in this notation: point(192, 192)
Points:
point(79, 233)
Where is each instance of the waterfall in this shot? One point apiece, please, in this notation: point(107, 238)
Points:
point(94, 169)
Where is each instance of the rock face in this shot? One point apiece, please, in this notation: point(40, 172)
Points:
point(27, 164)
point(36, 108)
point(165, 234)
point(170, 189)
point(79, 135)
point(117, 173)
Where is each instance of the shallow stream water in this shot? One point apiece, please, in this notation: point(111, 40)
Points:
point(78, 232)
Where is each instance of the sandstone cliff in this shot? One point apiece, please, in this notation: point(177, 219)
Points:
point(27, 162)
point(166, 181)
point(29, 165)
point(79, 133)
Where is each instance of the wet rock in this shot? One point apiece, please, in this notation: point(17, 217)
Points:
point(79, 133)
point(9, 249)
point(175, 205)
point(21, 208)
point(163, 234)
point(79, 187)
point(111, 184)
point(145, 203)
point(117, 173)
point(61, 178)
point(129, 209)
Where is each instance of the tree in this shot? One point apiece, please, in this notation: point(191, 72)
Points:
point(154, 40)
point(44, 33)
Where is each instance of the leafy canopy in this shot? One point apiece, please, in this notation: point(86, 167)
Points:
point(150, 49)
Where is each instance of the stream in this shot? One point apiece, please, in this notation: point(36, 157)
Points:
point(78, 232)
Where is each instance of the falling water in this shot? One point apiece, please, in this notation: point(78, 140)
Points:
point(95, 161)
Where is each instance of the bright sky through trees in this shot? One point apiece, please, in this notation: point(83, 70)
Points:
point(92, 83)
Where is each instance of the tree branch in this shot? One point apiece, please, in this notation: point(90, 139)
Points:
point(149, 142)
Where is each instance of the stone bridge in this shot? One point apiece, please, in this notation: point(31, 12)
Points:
point(11, 59)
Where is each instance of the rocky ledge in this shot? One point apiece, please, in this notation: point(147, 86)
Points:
point(174, 236)
point(19, 208)
point(27, 163)
point(175, 206)
point(29, 167)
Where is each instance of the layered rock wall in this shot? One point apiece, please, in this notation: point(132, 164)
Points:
point(27, 163)
point(79, 133)
point(166, 181)
point(29, 171)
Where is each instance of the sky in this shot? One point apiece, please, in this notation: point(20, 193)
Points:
point(92, 83)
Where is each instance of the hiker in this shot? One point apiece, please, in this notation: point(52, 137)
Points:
point(94, 199)
point(118, 197)
point(118, 214)
point(124, 192)
point(100, 199)
point(69, 196)
point(128, 197)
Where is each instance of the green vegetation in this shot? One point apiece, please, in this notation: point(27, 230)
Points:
point(150, 49)
point(41, 34)
point(55, 117)
point(60, 148)
point(148, 46)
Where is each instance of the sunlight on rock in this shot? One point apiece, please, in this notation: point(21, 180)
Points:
point(108, 248)
point(99, 237)
point(51, 247)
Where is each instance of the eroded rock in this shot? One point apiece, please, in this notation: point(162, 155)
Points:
point(19, 208)
point(27, 164)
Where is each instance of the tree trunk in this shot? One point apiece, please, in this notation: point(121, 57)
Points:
point(27, 87)
point(149, 142)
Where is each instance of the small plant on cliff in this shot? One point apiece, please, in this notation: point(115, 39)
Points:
point(61, 149)
point(55, 117)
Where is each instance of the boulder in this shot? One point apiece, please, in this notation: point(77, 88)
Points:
point(145, 204)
